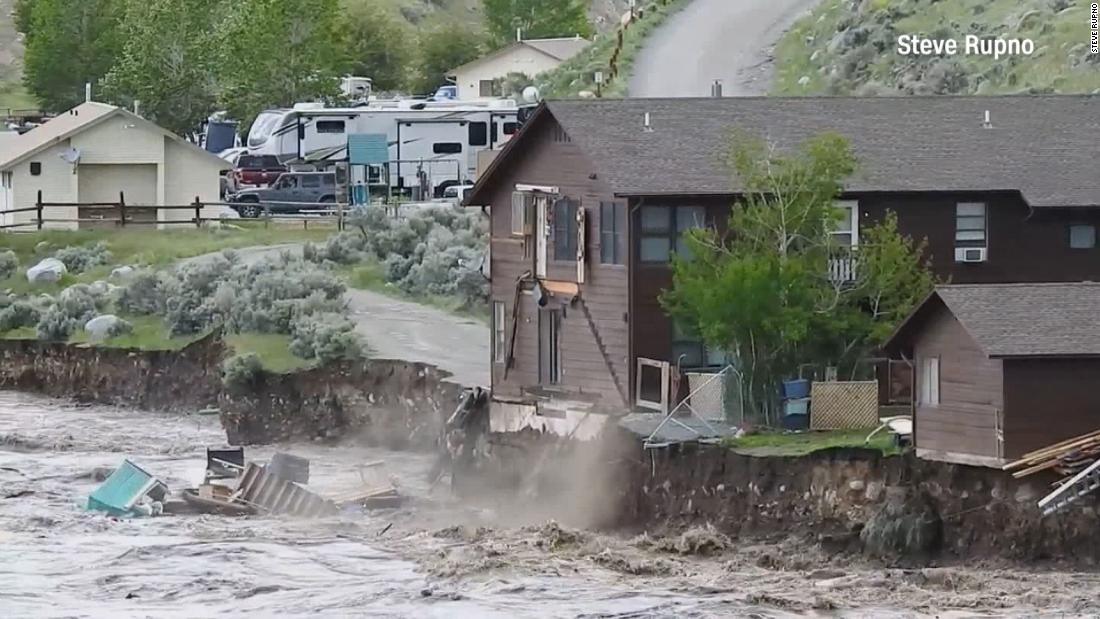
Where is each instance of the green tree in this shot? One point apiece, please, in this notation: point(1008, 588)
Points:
point(764, 293)
point(279, 52)
point(169, 61)
point(378, 44)
point(441, 49)
point(68, 43)
point(536, 19)
point(21, 13)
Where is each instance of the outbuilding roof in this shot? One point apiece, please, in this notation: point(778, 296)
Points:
point(559, 49)
point(67, 124)
point(1020, 320)
point(1043, 146)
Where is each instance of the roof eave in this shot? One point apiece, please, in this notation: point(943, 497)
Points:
point(487, 177)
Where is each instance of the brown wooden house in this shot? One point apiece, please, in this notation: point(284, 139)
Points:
point(590, 199)
point(1002, 369)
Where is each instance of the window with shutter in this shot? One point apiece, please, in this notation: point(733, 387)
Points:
point(612, 231)
point(565, 230)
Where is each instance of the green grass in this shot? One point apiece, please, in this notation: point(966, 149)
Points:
point(1058, 64)
point(153, 248)
point(802, 443)
point(149, 334)
point(273, 350)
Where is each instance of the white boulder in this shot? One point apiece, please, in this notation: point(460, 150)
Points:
point(124, 272)
point(49, 270)
point(106, 326)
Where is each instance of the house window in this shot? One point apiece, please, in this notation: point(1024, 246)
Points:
point(929, 381)
point(36, 168)
point(446, 148)
point(662, 231)
point(565, 230)
point(330, 126)
point(846, 229)
point(970, 224)
point(521, 213)
point(612, 232)
point(560, 135)
point(485, 88)
point(498, 331)
point(1082, 236)
point(689, 350)
point(479, 134)
point(550, 369)
point(5, 180)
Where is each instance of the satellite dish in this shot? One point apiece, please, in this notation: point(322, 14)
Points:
point(531, 94)
point(71, 155)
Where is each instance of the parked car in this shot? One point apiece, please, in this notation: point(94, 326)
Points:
point(291, 192)
point(446, 93)
point(457, 194)
point(254, 171)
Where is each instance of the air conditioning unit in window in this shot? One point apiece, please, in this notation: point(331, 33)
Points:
point(970, 254)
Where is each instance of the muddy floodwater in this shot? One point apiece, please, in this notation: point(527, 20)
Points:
point(432, 558)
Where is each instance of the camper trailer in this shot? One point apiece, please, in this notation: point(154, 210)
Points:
point(442, 138)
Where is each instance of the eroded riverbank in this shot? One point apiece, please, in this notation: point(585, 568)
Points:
point(438, 558)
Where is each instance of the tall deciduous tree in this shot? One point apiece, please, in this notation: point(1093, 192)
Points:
point(763, 292)
point(169, 61)
point(535, 19)
point(379, 44)
point(68, 43)
point(441, 49)
point(279, 52)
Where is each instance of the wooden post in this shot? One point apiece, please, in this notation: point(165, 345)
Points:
point(38, 205)
point(122, 209)
point(198, 212)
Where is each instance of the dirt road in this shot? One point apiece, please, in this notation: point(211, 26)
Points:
point(730, 40)
point(398, 329)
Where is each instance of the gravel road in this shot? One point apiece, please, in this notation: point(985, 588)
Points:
point(730, 40)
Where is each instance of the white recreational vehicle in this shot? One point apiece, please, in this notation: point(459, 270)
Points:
point(437, 138)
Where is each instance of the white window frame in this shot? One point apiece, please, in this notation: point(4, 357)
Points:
point(852, 206)
point(929, 382)
point(984, 242)
point(499, 340)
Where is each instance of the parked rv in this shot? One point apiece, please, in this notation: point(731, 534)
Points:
point(430, 142)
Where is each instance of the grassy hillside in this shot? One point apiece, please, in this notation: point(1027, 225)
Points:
point(850, 47)
point(12, 94)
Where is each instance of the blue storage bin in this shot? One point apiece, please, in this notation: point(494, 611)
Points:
point(800, 406)
point(794, 389)
point(796, 422)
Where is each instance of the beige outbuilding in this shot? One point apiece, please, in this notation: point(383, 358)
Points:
point(530, 57)
point(99, 153)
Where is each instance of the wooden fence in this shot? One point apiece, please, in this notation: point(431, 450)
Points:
point(120, 214)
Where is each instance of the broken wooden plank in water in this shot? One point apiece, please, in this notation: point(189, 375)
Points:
point(279, 496)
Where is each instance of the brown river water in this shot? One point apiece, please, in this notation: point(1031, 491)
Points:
point(433, 558)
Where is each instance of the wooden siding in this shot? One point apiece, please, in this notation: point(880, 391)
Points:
point(971, 391)
point(1049, 400)
point(585, 373)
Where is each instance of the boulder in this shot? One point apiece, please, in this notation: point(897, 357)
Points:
point(99, 288)
point(124, 272)
point(48, 270)
point(106, 326)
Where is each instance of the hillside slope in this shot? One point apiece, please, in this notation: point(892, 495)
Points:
point(12, 94)
point(850, 47)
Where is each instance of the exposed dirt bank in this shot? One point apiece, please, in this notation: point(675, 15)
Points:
point(394, 404)
point(900, 510)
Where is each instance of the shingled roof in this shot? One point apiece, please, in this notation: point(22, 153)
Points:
point(1022, 320)
point(1045, 147)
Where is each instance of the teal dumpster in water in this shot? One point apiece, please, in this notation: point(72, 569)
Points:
point(124, 489)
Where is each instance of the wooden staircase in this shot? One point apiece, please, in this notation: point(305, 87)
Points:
point(603, 352)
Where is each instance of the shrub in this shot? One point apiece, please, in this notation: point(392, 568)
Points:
point(72, 308)
point(78, 259)
point(120, 327)
point(143, 295)
point(8, 264)
point(325, 337)
point(18, 314)
point(342, 248)
point(241, 371)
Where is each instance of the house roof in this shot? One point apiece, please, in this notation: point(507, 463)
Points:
point(559, 49)
point(1020, 320)
point(67, 124)
point(1043, 146)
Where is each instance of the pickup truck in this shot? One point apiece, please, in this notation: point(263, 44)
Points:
point(254, 171)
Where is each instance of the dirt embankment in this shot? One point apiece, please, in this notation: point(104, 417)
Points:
point(381, 402)
point(899, 509)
